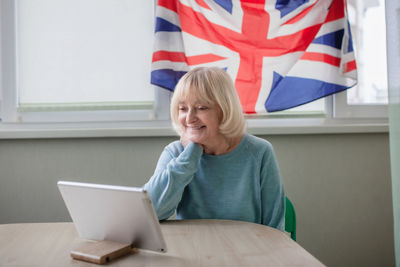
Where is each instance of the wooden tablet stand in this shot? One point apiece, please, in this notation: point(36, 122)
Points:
point(101, 252)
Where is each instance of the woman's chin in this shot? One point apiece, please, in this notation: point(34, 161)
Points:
point(197, 140)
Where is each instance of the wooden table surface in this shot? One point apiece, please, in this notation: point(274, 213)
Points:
point(189, 243)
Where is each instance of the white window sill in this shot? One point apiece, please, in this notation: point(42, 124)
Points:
point(278, 126)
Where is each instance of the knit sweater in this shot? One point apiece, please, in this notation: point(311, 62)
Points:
point(244, 184)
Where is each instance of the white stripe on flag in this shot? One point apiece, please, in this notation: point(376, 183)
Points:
point(218, 15)
point(197, 46)
point(331, 26)
point(168, 15)
point(166, 64)
point(320, 71)
point(169, 41)
point(324, 49)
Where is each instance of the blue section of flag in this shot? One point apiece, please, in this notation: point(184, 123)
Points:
point(163, 25)
point(166, 78)
point(294, 91)
point(226, 4)
point(287, 6)
point(350, 46)
point(333, 39)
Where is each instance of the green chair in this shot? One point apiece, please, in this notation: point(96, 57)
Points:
point(290, 219)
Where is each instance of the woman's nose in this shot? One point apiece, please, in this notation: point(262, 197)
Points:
point(190, 116)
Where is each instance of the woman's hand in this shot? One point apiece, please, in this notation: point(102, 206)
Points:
point(186, 140)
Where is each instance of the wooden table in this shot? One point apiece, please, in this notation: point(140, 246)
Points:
point(189, 243)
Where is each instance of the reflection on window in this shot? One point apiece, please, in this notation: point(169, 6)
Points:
point(367, 20)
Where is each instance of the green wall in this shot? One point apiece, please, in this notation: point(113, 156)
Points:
point(394, 119)
point(340, 185)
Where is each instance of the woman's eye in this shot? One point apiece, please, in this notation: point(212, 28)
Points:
point(181, 108)
point(202, 108)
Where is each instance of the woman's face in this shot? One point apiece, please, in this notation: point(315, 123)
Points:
point(199, 120)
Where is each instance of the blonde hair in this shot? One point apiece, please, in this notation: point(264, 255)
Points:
point(214, 86)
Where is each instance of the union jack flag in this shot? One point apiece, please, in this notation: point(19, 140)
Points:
point(280, 53)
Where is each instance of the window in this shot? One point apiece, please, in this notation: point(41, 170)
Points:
point(369, 97)
point(73, 56)
point(60, 66)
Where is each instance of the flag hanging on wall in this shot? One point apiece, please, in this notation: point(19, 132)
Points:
point(280, 53)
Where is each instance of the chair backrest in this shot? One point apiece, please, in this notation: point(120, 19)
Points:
point(290, 219)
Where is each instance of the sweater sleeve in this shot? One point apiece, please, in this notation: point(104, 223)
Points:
point(173, 173)
point(272, 192)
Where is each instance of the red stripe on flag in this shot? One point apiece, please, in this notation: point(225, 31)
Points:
point(168, 4)
point(181, 57)
point(205, 58)
point(350, 66)
point(335, 61)
point(336, 10)
point(255, 26)
point(171, 56)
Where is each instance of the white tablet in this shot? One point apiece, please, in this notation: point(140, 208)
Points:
point(115, 213)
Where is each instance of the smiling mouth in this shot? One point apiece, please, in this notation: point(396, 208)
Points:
point(196, 128)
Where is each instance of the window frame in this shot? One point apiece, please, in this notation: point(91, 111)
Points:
point(343, 110)
point(8, 60)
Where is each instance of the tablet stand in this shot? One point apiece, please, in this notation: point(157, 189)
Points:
point(101, 252)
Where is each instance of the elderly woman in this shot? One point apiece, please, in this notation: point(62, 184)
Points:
point(216, 170)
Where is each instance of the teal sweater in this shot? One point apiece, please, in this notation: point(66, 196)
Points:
point(244, 184)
